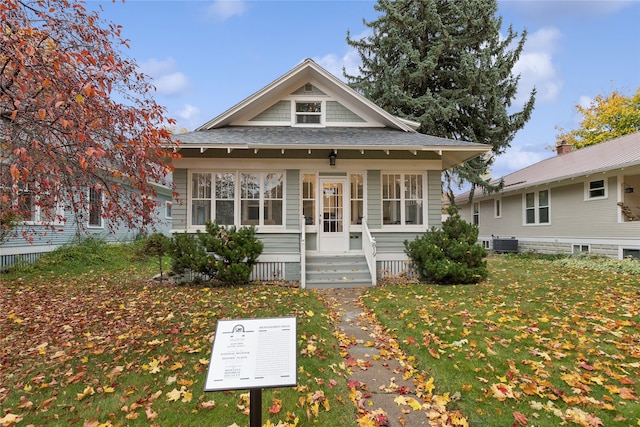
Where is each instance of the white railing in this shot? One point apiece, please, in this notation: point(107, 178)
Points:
point(303, 251)
point(369, 249)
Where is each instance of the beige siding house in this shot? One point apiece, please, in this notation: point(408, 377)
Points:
point(333, 183)
point(586, 200)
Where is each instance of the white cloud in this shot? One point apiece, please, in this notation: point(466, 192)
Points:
point(536, 68)
point(350, 61)
point(221, 10)
point(166, 79)
point(188, 117)
point(517, 158)
point(334, 64)
point(585, 101)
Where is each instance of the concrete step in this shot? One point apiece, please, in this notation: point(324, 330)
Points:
point(337, 271)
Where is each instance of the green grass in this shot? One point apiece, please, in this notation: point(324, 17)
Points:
point(87, 339)
point(81, 348)
point(551, 339)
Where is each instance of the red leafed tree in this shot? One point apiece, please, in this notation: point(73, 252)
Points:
point(78, 125)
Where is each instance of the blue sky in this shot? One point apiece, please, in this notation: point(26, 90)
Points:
point(206, 56)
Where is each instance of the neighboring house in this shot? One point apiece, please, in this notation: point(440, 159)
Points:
point(48, 232)
point(587, 200)
point(333, 183)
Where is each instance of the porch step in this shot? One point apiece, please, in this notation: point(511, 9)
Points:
point(337, 271)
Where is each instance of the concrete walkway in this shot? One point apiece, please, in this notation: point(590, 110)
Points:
point(380, 371)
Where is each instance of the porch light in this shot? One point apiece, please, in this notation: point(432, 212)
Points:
point(332, 158)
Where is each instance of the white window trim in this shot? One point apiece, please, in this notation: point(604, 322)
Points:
point(497, 208)
point(358, 227)
point(37, 219)
point(475, 213)
point(587, 190)
point(580, 246)
point(322, 114)
point(168, 205)
point(536, 208)
point(89, 225)
point(424, 199)
point(313, 227)
point(237, 200)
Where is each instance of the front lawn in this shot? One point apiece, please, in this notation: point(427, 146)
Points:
point(541, 343)
point(108, 347)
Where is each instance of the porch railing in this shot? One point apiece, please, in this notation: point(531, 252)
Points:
point(369, 249)
point(303, 251)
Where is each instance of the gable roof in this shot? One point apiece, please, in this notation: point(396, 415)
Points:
point(380, 130)
point(306, 71)
point(610, 155)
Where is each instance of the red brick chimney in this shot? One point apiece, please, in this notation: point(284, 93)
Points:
point(563, 148)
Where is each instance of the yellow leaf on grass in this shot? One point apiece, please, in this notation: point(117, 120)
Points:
point(173, 395)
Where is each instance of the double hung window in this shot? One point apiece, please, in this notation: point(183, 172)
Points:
point(95, 208)
point(308, 113)
point(597, 189)
point(402, 199)
point(356, 182)
point(537, 207)
point(309, 198)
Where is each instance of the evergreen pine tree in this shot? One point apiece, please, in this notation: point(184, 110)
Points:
point(444, 64)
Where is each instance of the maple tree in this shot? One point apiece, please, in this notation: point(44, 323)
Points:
point(605, 118)
point(77, 121)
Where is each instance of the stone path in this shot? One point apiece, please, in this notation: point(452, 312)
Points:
point(378, 365)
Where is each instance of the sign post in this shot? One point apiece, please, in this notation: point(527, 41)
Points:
point(253, 354)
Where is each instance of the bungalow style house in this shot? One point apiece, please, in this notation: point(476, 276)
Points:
point(333, 183)
point(587, 200)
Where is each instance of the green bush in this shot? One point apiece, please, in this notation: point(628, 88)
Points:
point(157, 245)
point(187, 254)
point(224, 254)
point(233, 252)
point(450, 255)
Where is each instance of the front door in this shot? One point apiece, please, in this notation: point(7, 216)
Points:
point(333, 233)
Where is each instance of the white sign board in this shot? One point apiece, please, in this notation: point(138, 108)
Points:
point(253, 353)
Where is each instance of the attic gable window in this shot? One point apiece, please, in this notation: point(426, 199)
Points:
point(308, 112)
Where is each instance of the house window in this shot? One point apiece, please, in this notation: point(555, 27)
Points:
point(96, 201)
point(537, 207)
point(224, 208)
point(252, 198)
point(308, 113)
point(168, 206)
point(476, 213)
point(261, 198)
point(402, 199)
point(309, 198)
point(27, 209)
point(578, 249)
point(597, 189)
point(497, 208)
point(200, 198)
point(356, 185)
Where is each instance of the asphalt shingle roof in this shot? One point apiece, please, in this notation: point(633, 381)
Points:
point(345, 137)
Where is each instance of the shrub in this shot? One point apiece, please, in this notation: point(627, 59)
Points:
point(187, 254)
point(157, 245)
point(233, 251)
point(450, 255)
point(225, 254)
